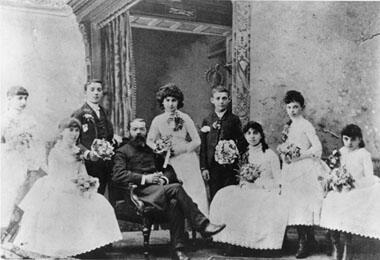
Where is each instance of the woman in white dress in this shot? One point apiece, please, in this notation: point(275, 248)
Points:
point(255, 213)
point(60, 219)
point(19, 151)
point(302, 170)
point(180, 129)
point(356, 211)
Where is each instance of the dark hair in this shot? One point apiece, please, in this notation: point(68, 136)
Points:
point(69, 122)
point(257, 127)
point(170, 90)
point(17, 91)
point(220, 89)
point(294, 96)
point(353, 131)
point(136, 120)
point(92, 81)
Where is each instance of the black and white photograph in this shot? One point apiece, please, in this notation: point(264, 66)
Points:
point(190, 129)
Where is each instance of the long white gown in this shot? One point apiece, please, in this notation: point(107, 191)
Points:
point(58, 220)
point(256, 213)
point(19, 153)
point(356, 211)
point(301, 184)
point(186, 165)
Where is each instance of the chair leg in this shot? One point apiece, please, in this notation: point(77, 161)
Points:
point(147, 226)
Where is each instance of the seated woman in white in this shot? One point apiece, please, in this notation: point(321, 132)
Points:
point(254, 212)
point(356, 210)
point(60, 219)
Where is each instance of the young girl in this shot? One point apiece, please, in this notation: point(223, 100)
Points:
point(60, 219)
point(301, 171)
point(177, 126)
point(356, 211)
point(261, 210)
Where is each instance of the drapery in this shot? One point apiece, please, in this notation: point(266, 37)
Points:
point(119, 72)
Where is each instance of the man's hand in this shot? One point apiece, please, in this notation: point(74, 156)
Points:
point(92, 156)
point(153, 178)
point(206, 175)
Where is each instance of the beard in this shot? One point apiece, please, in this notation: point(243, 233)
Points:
point(139, 140)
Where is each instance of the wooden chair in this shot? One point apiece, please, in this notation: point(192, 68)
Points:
point(129, 207)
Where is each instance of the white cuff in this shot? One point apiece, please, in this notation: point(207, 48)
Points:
point(143, 180)
point(165, 179)
point(86, 155)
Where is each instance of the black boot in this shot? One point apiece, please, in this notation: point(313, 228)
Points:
point(311, 241)
point(336, 253)
point(347, 248)
point(302, 251)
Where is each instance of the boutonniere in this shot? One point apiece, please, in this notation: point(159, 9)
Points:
point(88, 117)
point(176, 122)
point(285, 132)
point(216, 125)
point(205, 129)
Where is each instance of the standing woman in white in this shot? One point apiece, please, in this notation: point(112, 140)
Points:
point(301, 170)
point(181, 130)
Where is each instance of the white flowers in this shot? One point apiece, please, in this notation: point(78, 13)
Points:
point(226, 152)
point(103, 149)
point(86, 184)
point(205, 129)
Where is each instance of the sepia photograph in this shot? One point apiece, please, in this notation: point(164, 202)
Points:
point(190, 129)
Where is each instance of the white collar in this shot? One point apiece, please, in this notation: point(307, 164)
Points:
point(255, 149)
point(220, 114)
point(95, 107)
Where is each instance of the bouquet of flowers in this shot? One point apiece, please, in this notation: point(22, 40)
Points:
point(289, 152)
point(103, 149)
point(226, 152)
point(340, 179)
point(86, 184)
point(164, 145)
point(249, 172)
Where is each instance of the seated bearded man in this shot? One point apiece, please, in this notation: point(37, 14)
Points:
point(135, 162)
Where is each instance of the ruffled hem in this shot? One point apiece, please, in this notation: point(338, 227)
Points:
point(246, 245)
point(74, 253)
point(351, 232)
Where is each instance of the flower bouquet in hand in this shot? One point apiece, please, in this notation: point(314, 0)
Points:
point(86, 184)
point(289, 152)
point(226, 152)
point(249, 172)
point(340, 180)
point(164, 145)
point(103, 149)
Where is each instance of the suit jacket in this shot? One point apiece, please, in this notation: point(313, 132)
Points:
point(131, 162)
point(90, 126)
point(230, 129)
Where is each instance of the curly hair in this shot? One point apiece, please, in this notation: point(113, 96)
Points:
point(170, 90)
point(257, 127)
point(294, 96)
point(353, 131)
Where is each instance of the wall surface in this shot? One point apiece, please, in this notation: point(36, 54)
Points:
point(163, 57)
point(44, 52)
point(327, 50)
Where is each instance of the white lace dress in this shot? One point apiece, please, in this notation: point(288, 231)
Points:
point(19, 153)
point(302, 188)
point(255, 214)
point(58, 220)
point(356, 211)
point(186, 165)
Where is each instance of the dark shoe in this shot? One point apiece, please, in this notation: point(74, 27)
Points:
point(302, 251)
point(180, 255)
point(212, 229)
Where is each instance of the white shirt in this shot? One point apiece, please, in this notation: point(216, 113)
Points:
point(220, 114)
point(95, 107)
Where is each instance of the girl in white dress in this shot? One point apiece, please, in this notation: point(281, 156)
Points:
point(19, 151)
point(302, 169)
point(59, 219)
point(255, 214)
point(180, 129)
point(356, 211)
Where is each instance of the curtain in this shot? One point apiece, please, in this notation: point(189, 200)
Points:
point(119, 72)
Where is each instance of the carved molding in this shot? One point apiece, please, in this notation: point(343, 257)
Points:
point(87, 45)
point(241, 40)
point(50, 7)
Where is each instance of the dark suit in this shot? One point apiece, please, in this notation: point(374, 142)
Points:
point(230, 129)
point(94, 127)
point(131, 162)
